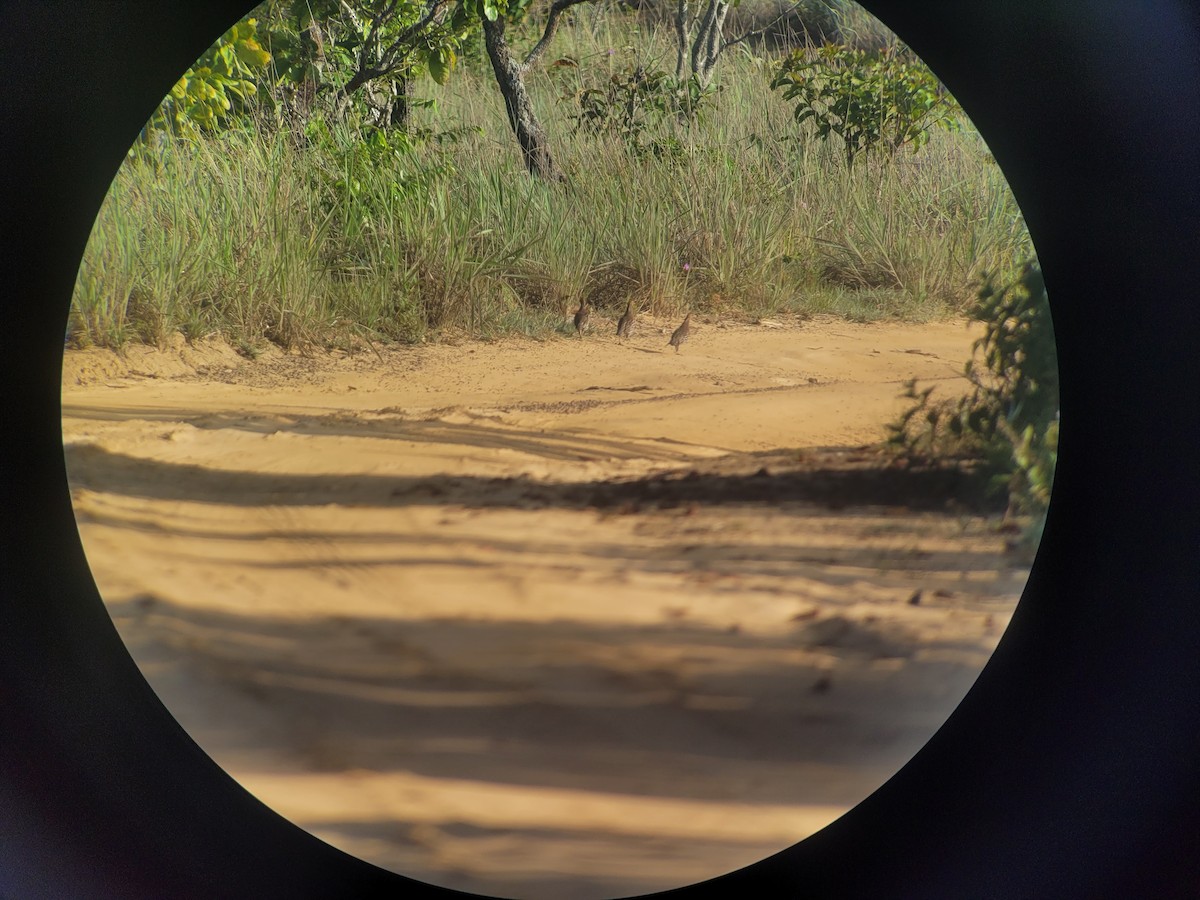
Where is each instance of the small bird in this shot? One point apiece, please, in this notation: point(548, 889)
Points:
point(581, 316)
point(682, 333)
point(625, 323)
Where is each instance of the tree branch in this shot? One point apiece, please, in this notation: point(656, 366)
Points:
point(756, 32)
point(432, 15)
point(371, 42)
point(354, 19)
point(548, 35)
point(361, 77)
point(397, 52)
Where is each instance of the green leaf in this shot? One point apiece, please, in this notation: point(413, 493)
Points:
point(439, 69)
point(251, 54)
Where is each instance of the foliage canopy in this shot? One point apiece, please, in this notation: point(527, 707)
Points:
point(215, 88)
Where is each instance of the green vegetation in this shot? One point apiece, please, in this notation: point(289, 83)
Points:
point(869, 99)
point(217, 87)
point(630, 103)
point(1010, 419)
point(324, 223)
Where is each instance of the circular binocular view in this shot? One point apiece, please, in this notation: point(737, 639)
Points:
point(566, 450)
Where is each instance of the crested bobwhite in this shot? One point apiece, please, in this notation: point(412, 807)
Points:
point(625, 323)
point(682, 333)
point(581, 317)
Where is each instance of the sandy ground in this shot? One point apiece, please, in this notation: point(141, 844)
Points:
point(561, 619)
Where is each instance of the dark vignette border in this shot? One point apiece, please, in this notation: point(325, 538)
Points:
point(1068, 771)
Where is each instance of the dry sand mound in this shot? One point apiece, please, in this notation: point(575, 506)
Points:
point(547, 619)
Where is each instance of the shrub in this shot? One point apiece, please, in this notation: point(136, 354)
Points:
point(870, 99)
point(1010, 418)
point(630, 102)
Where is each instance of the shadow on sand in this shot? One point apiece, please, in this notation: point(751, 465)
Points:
point(831, 478)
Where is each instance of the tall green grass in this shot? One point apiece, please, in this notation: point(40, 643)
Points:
point(262, 233)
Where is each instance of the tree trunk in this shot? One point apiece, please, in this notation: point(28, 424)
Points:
point(398, 115)
point(524, 122)
point(682, 21)
point(708, 43)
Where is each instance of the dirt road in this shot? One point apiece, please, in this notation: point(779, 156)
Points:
point(543, 619)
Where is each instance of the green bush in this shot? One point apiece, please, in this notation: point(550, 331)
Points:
point(1010, 417)
point(629, 103)
point(870, 99)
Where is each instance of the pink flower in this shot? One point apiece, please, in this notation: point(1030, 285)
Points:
point(687, 267)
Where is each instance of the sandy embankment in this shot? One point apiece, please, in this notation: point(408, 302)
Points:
point(439, 610)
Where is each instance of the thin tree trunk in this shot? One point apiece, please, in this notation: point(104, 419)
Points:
point(398, 115)
point(700, 42)
point(681, 30)
point(707, 46)
point(525, 125)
